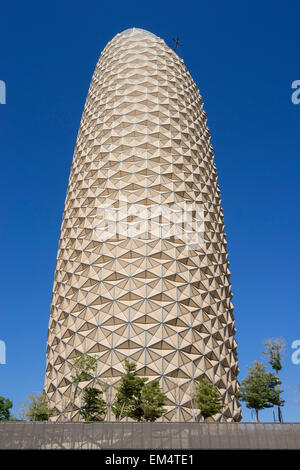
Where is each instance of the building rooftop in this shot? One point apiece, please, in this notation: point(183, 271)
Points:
point(140, 30)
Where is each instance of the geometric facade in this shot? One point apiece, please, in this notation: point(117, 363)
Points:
point(142, 270)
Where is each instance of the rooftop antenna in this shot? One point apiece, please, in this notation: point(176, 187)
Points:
point(177, 43)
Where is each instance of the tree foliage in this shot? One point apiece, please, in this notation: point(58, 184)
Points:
point(94, 407)
point(274, 351)
point(152, 401)
point(83, 366)
point(208, 398)
point(38, 407)
point(136, 400)
point(127, 402)
point(5, 406)
point(259, 389)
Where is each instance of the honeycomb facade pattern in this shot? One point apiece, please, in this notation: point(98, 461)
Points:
point(154, 300)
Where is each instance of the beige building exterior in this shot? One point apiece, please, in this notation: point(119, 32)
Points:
point(142, 270)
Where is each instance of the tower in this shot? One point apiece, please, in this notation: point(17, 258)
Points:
point(142, 270)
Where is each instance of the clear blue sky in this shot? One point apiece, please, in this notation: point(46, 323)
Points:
point(244, 57)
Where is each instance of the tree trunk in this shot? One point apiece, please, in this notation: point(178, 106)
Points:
point(73, 404)
point(120, 415)
point(278, 407)
point(256, 413)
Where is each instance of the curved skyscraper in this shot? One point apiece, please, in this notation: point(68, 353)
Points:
point(142, 270)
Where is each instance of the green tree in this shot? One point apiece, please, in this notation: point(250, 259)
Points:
point(259, 389)
point(137, 400)
point(127, 401)
point(38, 407)
point(94, 407)
point(5, 406)
point(83, 368)
point(152, 401)
point(208, 398)
point(274, 350)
